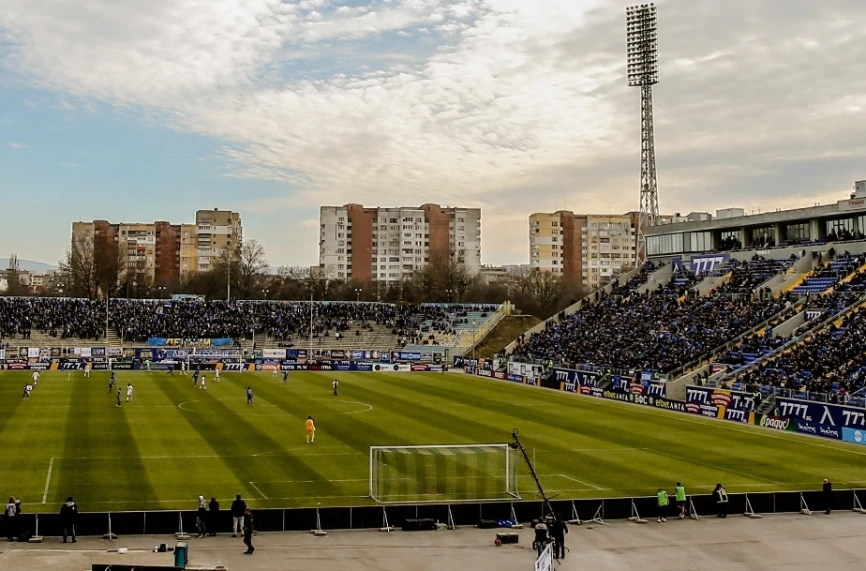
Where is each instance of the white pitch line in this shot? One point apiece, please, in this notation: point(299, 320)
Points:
point(48, 481)
point(256, 488)
point(578, 481)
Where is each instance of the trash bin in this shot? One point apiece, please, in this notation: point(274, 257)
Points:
point(181, 557)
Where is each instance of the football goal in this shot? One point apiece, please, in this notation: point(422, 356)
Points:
point(444, 474)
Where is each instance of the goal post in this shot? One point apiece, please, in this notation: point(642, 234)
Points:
point(443, 473)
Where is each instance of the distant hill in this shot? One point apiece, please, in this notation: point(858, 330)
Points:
point(28, 265)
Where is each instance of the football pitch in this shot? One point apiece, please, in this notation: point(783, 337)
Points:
point(174, 442)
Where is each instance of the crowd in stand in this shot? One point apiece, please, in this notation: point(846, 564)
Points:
point(661, 329)
point(57, 317)
point(139, 320)
point(830, 362)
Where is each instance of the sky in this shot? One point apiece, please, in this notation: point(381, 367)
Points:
point(142, 110)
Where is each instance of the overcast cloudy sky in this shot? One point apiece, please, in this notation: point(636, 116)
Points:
point(136, 110)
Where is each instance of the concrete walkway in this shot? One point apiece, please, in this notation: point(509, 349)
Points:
point(790, 542)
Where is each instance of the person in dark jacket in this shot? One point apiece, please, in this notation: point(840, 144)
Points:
point(238, 508)
point(214, 508)
point(828, 495)
point(558, 529)
point(720, 494)
point(248, 531)
point(68, 514)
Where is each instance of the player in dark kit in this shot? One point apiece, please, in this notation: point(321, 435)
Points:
point(111, 381)
point(286, 377)
point(118, 398)
point(195, 376)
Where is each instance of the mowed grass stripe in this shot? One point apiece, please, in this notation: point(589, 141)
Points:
point(665, 465)
point(32, 426)
point(232, 437)
point(100, 454)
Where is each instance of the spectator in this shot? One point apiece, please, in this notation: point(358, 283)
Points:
point(214, 509)
point(238, 509)
point(68, 515)
point(11, 516)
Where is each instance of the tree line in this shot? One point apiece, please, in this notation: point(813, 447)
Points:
point(94, 269)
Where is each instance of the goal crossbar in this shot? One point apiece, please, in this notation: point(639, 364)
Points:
point(447, 473)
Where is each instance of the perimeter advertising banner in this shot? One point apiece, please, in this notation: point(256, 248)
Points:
point(820, 419)
point(720, 403)
point(854, 436)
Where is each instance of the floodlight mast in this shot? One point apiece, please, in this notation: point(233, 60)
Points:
point(643, 71)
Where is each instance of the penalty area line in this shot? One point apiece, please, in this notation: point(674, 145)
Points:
point(578, 481)
point(256, 488)
point(48, 481)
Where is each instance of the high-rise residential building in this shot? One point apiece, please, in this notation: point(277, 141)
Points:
point(216, 230)
point(162, 252)
point(588, 249)
point(388, 244)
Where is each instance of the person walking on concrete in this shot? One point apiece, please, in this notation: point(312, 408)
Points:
point(663, 502)
point(558, 529)
point(10, 514)
point(68, 515)
point(248, 531)
point(214, 509)
point(720, 494)
point(238, 508)
point(828, 495)
point(680, 495)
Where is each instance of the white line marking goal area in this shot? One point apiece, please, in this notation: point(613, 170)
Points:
point(48, 481)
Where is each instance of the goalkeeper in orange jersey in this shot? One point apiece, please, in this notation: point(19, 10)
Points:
point(311, 430)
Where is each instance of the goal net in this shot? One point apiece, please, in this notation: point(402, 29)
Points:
point(443, 474)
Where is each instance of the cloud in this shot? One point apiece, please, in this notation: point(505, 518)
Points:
point(512, 106)
point(17, 146)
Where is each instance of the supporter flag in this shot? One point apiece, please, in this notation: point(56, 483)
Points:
point(545, 562)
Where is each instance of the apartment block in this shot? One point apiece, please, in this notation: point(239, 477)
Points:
point(588, 249)
point(389, 244)
point(162, 252)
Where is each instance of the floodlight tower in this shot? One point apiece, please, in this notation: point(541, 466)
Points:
point(643, 72)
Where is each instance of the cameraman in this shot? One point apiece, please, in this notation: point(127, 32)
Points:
point(542, 537)
point(558, 529)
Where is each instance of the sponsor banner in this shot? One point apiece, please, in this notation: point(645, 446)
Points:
point(829, 415)
point(33, 353)
point(84, 352)
point(420, 368)
point(703, 264)
point(854, 435)
point(122, 366)
point(776, 423)
point(39, 366)
point(406, 356)
point(274, 353)
point(581, 378)
point(234, 367)
point(296, 353)
point(2, 354)
point(426, 355)
point(816, 429)
point(720, 398)
point(16, 365)
point(100, 366)
point(338, 354)
point(97, 351)
point(71, 366)
point(527, 370)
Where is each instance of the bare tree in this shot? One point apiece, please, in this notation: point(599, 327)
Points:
point(78, 270)
point(252, 267)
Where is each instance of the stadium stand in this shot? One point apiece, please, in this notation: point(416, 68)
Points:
point(255, 324)
point(660, 330)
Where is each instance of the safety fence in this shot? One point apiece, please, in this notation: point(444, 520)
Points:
point(458, 514)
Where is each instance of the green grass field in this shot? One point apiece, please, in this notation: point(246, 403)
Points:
point(175, 442)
